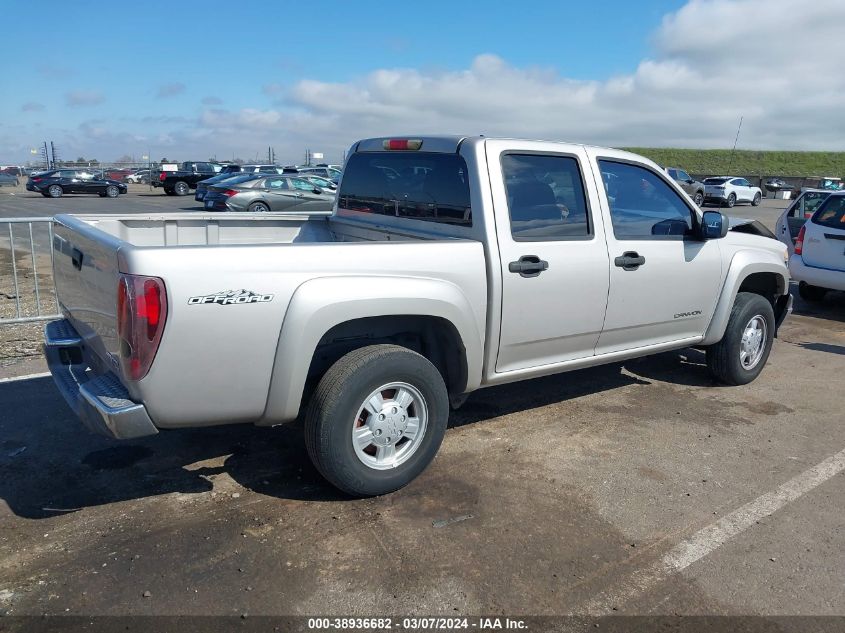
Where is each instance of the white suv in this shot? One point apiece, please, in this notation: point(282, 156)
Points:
point(818, 260)
point(728, 190)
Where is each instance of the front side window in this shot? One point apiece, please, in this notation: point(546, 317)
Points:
point(426, 186)
point(302, 185)
point(545, 197)
point(682, 175)
point(642, 205)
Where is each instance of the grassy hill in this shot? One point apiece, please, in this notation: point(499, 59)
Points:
point(747, 162)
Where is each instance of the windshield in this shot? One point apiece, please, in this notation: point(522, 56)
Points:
point(831, 213)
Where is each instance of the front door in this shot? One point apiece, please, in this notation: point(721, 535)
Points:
point(664, 281)
point(553, 256)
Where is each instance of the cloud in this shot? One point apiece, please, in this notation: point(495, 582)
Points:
point(273, 90)
point(170, 90)
point(32, 106)
point(210, 101)
point(82, 98)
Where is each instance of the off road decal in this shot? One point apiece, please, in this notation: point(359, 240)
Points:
point(231, 298)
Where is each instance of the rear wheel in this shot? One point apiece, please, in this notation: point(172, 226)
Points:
point(813, 294)
point(744, 349)
point(258, 207)
point(376, 419)
point(698, 198)
point(181, 188)
point(756, 201)
point(55, 191)
point(731, 200)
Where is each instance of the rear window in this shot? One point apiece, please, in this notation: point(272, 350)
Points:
point(715, 181)
point(831, 213)
point(234, 180)
point(416, 185)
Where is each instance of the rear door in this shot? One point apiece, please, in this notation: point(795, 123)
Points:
point(664, 281)
point(552, 253)
point(824, 237)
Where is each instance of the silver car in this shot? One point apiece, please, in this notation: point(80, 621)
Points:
point(273, 193)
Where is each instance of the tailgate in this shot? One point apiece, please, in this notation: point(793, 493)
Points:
point(824, 247)
point(85, 264)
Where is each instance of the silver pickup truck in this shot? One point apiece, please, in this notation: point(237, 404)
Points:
point(448, 264)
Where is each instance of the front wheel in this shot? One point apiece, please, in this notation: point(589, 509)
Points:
point(376, 419)
point(731, 200)
point(744, 349)
point(756, 201)
point(112, 191)
point(813, 294)
point(698, 198)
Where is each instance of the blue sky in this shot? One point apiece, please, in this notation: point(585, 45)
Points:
point(179, 79)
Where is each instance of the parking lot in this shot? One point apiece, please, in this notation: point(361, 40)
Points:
point(635, 488)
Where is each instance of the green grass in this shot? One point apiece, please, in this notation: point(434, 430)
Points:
point(747, 162)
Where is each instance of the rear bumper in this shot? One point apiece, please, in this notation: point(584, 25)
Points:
point(99, 400)
point(822, 277)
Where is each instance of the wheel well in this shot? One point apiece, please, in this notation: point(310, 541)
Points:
point(435, 338)
point(767, 285)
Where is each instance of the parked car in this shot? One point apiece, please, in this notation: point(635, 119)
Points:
point(140, 176)
point(728, 190)
point(776, 184)
point(8, 180)
point(181, 181)
point(322, 183)
point(818, 259)
point(795, 215)
point(278, 193)
point(694, 188)
point(414, 292)
point(56, 183)
point(326, 172)
point(227, 179)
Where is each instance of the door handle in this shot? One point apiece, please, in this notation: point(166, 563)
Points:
point(528, 266)
point(629, 260)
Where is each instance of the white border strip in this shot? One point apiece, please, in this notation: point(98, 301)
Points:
point(25, 377)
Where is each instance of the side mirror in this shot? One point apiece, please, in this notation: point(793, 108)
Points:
point(714, 225)
point(690, 181)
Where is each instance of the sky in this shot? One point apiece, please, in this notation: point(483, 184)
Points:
point(227, 80)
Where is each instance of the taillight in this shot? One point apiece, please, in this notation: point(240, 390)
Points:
point(36, 180)
point(799, 242)
point(230, 192)
point(141, 313)
point(402, 144)
point(162, 176)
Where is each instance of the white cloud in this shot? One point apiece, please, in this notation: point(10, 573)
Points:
point(81, 98)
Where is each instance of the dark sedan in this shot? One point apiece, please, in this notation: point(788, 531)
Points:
point(57, 182)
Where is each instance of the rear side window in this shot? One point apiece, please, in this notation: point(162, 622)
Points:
point(545, 197)
point(415, 185)
point(831, 213)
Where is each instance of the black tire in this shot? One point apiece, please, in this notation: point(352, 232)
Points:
point(731, 200)
point(181, 188)
point(55, 191)
point(339, 396)
point(723, 358)
point(756, 201)
point(258, 207)
point(112, 191)
point(698, 198)
point(813, 294)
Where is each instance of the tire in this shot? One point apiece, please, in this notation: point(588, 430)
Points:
point(181, 188)
point(55, 191)
point(731, 200)
point(112, 191)
point(756, 201)
point(813, 294)
point(698, 198)
point(337, 409)
point(733, 361)
point(258, 207)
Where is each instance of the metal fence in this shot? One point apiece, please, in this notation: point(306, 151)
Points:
point(27, 288)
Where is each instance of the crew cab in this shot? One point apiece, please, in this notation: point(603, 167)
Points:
point(180, 182)
point(448, 264)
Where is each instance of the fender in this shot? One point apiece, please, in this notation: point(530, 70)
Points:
point(320, 304)
point(743, 264)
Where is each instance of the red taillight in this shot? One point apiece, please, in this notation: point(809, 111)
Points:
point(402, 144)
point(36, 180)
point(141, 313)
point(230, 192)
point(162, 176)
point(799, 242)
